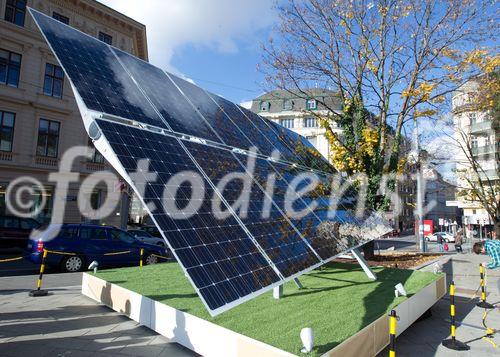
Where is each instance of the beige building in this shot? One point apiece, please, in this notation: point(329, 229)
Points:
point(39, 118)
point(481, 131)
point(295, 113)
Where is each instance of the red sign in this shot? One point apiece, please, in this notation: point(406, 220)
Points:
point(428, 226)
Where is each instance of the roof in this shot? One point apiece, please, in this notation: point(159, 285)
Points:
point(284, 94)
point(276, 100)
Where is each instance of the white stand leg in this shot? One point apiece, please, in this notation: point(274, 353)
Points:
point(364, 264)
point(278, 292)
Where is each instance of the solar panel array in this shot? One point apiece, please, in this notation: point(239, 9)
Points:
point(198, 138)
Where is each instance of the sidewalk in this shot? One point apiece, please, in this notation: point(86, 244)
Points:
point(424, 337)
point(69, 324)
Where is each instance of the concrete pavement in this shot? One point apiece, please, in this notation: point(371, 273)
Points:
point(69, 324)
point(424, 337)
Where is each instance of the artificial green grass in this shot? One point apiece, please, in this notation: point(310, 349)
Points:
point(337, 301)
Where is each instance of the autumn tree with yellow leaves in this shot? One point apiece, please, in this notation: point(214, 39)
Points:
point(389, 60)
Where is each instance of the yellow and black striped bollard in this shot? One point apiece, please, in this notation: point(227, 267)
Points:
point(140, 261)
point(39, 291)
point(392, 333)
point(482, 284)
point(452, 343)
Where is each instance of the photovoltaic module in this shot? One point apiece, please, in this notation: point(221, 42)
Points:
point(136, 112)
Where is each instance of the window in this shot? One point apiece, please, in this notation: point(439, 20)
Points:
point(287, 123)
point(310, 123)
point(9, 222)
point(311, 104)
point(122, 236)
point(15, 11)
point(53, 82)
point(69, 232)
point(10, 66)
point(96, 155)
point(93, 233)
point(3, 204)
point(27, 223)
point(42, 201)
point(265, 106)
point(48, 138)
point(473, 142)
point(61, 18)
point(104, 37)
point(487, 141)
point(288, 104)
point(472, 117)
point(6, 130)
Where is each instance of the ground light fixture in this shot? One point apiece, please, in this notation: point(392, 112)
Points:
point(399, 290)
point(94, 265)
point(307, 337)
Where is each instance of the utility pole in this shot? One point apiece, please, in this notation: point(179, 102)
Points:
point(420, 190)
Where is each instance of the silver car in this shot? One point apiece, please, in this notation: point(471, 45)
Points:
point(145, 237)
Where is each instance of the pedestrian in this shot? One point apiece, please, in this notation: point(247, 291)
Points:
point(491, 248)
point(459, 240)
point(440, 241)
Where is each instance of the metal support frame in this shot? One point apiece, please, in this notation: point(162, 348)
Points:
point(278, 291)
point(361, 260)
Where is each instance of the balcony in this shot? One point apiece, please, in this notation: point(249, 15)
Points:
point(481, 127)
point(5, 156)
point(489, 174)
point(46, 161)
point(485, 150)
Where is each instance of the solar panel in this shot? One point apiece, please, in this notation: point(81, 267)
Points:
point(241, 239)
point(218, 255)
point(94, 69)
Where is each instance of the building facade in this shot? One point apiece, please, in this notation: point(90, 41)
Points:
point(299, 113)
point(481, 131)
point(39, 118)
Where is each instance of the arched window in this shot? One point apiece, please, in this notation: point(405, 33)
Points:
point(265, 106)
point(288, 104)
point(311, 104)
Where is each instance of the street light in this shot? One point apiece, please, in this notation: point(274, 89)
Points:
point(415, 156)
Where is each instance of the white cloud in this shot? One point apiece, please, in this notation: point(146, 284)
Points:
point(216, 24)
point(247, 104)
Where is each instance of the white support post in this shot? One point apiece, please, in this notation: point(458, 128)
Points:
point(361, 260)
point(278, 292)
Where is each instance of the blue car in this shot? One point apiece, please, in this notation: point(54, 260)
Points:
point(109, 246)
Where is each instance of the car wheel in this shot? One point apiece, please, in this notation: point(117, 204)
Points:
point(150, 259)
point(72, 264)
point(427, 239)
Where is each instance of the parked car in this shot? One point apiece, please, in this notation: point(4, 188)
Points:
point(152, 230)
point(446, 236)
point(89, 243)
point(146, 237)
point(15, 231)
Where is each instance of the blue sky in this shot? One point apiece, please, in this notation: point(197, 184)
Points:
point(216, 43)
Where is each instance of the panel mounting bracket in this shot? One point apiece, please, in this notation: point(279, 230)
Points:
point(361, 260)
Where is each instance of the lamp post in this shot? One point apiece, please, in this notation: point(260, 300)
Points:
point(420, 189)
